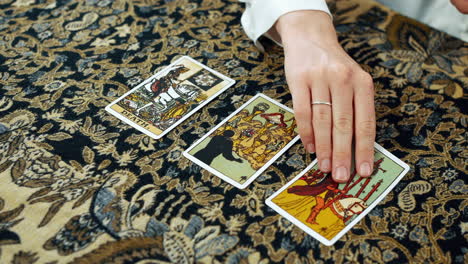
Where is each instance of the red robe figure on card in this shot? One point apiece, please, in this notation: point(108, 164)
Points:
point(323, 184)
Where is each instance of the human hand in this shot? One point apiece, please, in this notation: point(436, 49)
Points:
point(461, 5)
point(318, 69)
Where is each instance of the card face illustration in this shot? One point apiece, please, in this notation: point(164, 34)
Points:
point(325, 209)
point(244, 144)
point(166, 99)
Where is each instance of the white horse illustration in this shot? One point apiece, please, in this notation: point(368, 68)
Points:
point(166, 100)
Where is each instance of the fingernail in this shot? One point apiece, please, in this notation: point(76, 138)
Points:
point(311, 148)
point(325, 165)
point(365, 169)
point(341, 174)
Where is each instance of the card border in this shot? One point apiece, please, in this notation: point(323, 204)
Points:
point(108, 108)
point(318, 236)
point(259, 171)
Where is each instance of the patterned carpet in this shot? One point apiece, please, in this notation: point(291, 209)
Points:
point(79, 186)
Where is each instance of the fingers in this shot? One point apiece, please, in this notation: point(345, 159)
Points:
point(322, 123)
point(330, 130)
point(364, 124)
point(302, 111)
point(342, 132)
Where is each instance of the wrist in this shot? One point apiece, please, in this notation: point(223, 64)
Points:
point(310, 24)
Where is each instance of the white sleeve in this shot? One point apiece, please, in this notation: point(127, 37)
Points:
point(260, 15)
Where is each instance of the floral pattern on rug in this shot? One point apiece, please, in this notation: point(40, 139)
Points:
point(80, 186)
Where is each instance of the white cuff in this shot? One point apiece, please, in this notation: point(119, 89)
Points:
point(260, 15)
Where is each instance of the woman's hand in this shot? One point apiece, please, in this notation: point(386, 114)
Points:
point(461, 5)
point(318, 69)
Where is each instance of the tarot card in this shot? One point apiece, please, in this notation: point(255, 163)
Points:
point(244, 144)
point(166, 99)
point(325, 209)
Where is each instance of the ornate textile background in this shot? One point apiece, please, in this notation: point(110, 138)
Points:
point(77, 185)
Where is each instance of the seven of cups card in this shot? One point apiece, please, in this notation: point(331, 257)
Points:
point(325, 209)
point(244, 144)
point(167, 98)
